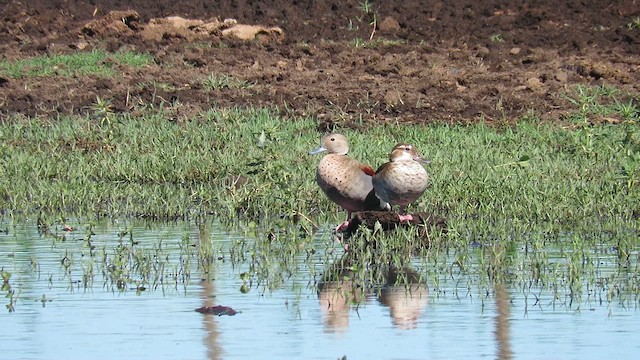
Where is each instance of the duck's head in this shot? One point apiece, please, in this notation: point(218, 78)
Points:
point(404, 151)
point(334, 144)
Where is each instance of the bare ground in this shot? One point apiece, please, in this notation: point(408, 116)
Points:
point(427, 61)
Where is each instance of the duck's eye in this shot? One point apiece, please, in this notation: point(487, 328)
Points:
point(333, 139)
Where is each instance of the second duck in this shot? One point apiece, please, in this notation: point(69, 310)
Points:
point(403, 179)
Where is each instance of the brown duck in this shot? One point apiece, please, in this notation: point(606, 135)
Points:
point(346, 181)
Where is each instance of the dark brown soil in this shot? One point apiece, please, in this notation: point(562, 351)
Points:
point(423, 221)
point(459, 60)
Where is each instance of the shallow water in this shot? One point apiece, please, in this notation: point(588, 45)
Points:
point(59, 313)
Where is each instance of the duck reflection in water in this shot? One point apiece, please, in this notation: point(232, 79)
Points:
point(336, 300)
point(339, 293)
point(406, 296)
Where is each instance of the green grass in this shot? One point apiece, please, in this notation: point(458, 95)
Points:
point(366, 6)
point(496, 38)
point(225, 162)
point(634, 24)
point(531, 180)
point(254, 164)
point(222, 81)
point(375, 43)
point(95, 62)
point(550, 210)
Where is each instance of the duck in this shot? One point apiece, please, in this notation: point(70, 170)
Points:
point(344, 180)
point(403, 179)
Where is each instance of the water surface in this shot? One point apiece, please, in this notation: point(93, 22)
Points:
point(62, 311)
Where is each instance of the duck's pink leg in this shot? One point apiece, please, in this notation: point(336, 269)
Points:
point(404, 217)
point(345, 224)
point(342, 227)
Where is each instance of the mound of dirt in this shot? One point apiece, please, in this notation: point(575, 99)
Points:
point(126, 23)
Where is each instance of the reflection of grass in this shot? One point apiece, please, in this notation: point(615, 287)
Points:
point(96, 62)
point(11, 293)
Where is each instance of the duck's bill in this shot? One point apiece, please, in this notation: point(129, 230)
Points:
point(317, 151)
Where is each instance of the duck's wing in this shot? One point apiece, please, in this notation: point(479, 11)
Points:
point(381, 168)
point(367, 169)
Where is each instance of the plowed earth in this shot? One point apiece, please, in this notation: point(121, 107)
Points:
point(395, 61)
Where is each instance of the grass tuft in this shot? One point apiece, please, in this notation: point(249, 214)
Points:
point(217, 82)
point(96, 62)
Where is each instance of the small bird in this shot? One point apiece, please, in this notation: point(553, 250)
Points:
point(403, 179)
point(346, 181)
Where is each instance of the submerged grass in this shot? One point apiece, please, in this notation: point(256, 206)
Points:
point(566, 272)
